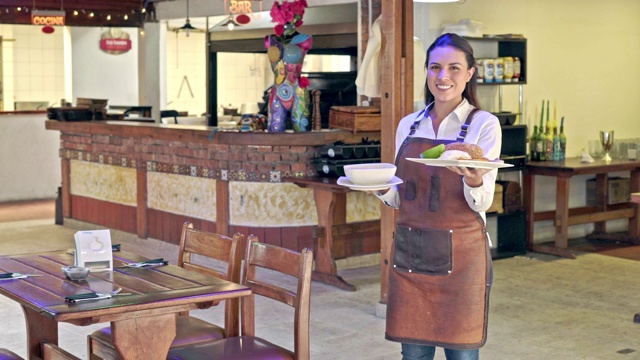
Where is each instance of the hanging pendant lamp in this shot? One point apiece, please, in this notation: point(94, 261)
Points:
point(187, 27)
point(231, 23)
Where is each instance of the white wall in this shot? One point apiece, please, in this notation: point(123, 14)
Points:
point(30, 162)
point(186, 72)
point(33, 65)
point(581, 54)
point(99, 75)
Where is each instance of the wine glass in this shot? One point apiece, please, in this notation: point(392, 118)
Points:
point(606, 139)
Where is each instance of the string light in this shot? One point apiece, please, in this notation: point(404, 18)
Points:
point(91, 14)
point(126, 17)
point(19, 8)
point(75, 12)
point(108, 17)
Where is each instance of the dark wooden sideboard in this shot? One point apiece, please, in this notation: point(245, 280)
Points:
point(598, 214)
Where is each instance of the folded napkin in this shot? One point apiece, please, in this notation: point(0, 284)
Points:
point(152, 262)
point(585, 157)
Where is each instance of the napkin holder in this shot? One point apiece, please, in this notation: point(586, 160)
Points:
point(93, 250)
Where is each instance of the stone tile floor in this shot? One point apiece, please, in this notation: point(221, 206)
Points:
point(541, 307)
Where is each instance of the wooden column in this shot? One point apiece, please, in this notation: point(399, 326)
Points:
point(222, 207)
point(142, 224)
point(66, 187)
point(396, 84)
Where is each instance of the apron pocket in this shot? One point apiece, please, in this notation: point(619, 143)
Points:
point(410, 190)
point(426, 251)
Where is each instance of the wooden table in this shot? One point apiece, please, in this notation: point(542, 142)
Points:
point(143, 324)
point(331, 206)
point(563, 217)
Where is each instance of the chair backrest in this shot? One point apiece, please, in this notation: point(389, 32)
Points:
point(169, 113)
point(218, 247)
point(275, 258)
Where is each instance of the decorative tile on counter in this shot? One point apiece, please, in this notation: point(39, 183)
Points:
point(261, 204)
point(362, 207)
point(182, 194)
point(103, 182)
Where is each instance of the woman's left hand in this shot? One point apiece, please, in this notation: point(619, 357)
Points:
point(472, 176)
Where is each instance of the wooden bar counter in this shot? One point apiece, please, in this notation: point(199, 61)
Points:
point(148, 179)
point(599, 214)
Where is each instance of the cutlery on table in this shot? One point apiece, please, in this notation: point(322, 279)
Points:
point(94, 296)
point(12, 276)
point(146, 263)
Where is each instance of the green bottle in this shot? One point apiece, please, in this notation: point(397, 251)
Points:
point(533, 139)
point(542, 141)
point(563, 141)
point(556, 144)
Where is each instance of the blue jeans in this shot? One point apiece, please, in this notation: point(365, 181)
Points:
point(425, 352)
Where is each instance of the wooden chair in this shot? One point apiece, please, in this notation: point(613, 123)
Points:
point(54, 352)
point(248, 346)
point(189, 329)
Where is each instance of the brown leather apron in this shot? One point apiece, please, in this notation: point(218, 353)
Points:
point(439, 282)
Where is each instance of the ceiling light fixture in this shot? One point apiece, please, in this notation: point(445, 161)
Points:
point(187, 27)
point(230, 23)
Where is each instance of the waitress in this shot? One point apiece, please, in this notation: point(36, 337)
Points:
point(441, 275)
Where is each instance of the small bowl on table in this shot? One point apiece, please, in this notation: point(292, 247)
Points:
point(76, 273)
point(370, 174)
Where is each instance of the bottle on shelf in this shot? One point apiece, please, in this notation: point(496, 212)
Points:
point(556, 144)
point(534, 153)
point(516, 69)
point(563, 141)
point(548, 138)
point(542, 140)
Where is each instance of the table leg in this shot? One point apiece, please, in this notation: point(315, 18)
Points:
point(39, 329)
point(634, 222)
point(147, 337)
point(559, 248)
point(332, 210)
point(562, 212)
point(602, 191)
point(528, 189)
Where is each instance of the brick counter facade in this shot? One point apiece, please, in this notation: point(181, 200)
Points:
point(149, 179)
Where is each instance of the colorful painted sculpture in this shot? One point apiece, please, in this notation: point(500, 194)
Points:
point(289, 96)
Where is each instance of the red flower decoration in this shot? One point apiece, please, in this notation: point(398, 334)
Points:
point(287, 13)
point(304, 82)
point(278, 30)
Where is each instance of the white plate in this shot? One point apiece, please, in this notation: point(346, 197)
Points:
point(344, 181)
point(462, 163)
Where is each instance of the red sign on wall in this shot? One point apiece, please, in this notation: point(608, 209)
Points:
point(115, 41)
point(115, 45)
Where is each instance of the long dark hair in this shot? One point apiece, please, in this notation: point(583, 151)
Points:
point(456, 42)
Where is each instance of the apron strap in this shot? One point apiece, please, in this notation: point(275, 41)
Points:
point(465, 127)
